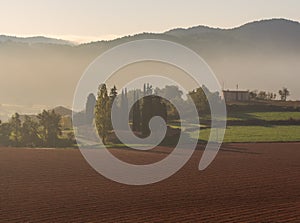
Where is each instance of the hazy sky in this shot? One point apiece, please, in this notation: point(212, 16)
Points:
point(84, 20)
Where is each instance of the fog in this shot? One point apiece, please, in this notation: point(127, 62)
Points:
point(47, 74)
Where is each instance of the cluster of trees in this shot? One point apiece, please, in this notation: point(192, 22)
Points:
point(144, 109)
point(151, 105)
point(140, 114)
point(263, 95)
point(43, 130)
point(284, 93)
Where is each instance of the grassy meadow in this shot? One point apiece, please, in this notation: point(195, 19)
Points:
point(257, 133)
point(267, 116)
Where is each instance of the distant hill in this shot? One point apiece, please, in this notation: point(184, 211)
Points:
point(35, 39)
point(63, 111)
point(258, 55)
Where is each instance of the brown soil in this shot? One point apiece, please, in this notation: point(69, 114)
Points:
point(245, 183)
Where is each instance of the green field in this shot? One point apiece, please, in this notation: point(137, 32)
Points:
point(267, 116)
point(256, 134)
point(251, 133)
point(272, 133)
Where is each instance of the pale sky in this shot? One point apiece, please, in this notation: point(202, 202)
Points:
point(85, 20)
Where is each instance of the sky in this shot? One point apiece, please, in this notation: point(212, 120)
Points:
point(88, 20)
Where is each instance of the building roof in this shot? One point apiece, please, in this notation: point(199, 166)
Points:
point(236, 91)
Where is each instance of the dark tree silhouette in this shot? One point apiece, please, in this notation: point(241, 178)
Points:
point(90, 108)
point(152, 106)
point(284, 93)
point(124, 108)
point(136, 114)
point(113, 93)
point(200, 100)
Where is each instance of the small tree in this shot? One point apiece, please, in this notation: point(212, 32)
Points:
point(253, 94)
point(113, 93)
point(262, 95)
point(284, 93)
point(271, 96)
point(200, 100)
point(16, 125)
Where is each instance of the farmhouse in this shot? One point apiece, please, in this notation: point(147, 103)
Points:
point(236, 95)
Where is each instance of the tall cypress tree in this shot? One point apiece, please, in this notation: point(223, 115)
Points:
point(90, 108)
point(102, 113)
point(136, 116)
point(124, 109)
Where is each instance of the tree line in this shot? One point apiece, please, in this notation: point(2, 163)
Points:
point(98, 109)
point(43, 131)
point(284, 93)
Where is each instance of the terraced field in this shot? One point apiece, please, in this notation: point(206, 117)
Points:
point(245, 183)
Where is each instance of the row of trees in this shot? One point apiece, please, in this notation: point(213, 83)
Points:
point(144, 109)
point(263, 95)
point(140, 114)
point(43, 130)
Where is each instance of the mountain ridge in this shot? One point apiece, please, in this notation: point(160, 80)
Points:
point(34, 39)
point(198, 28)
point(262, 55)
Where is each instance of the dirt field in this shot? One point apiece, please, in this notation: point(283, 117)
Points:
point(245, 183)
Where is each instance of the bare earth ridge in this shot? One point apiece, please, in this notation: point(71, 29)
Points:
point(245, 183)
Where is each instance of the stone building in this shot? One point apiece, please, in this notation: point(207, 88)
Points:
point(236, 95)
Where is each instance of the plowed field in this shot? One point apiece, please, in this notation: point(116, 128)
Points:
point(245, 183)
